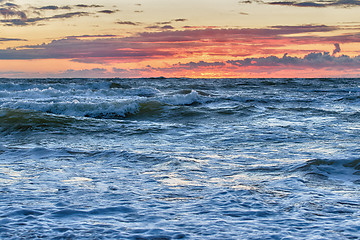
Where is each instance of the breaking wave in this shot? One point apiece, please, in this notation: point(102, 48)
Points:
point(28, 112)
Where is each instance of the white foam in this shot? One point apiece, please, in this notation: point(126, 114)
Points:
point(79, 109)
point(184, 99)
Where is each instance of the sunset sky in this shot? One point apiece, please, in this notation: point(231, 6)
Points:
point(197, 38)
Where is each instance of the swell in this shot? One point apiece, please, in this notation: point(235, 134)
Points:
point(145, 105)
point(17, 120)
point(64, 117)
point(343, 170)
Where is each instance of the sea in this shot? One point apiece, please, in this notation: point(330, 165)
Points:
point(180, 158)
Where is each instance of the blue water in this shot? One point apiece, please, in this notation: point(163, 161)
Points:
point(179, 158)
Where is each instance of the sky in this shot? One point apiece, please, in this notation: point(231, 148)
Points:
point(173, 38)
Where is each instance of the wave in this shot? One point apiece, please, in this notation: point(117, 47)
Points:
point(18, 120)
point(345, 170)
point(112, 156)
point(53, 92)
point(185, 98)
point(27, 115)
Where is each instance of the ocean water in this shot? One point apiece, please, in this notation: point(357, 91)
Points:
point(179, 158)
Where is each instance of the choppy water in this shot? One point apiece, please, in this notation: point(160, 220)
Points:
point(180, 159)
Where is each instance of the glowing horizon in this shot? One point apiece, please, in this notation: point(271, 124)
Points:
point(206, 39)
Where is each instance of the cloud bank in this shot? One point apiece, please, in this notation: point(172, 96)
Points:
point(311, 60)
point(27, 21)
point(11, 39)
point(313, 4)
point(337, 48)
point(177, 44)
point(15, 16)
point(226, 51)
point(323, 64)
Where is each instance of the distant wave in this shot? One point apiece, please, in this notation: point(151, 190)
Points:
point(345, 170)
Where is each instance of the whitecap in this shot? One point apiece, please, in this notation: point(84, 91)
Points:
point(184, 99)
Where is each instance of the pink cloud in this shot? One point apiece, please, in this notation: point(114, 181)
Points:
point(322, 62)
point(216, 43)
point(314, 64)
point(311, 60)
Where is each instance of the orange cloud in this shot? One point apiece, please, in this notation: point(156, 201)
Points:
point(177, 44)
point(239, 52)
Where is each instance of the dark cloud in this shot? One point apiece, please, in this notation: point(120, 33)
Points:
point(167, 27)
point(167, 23)
point(11, 39)
point(298, 4)
point(108, 11)
point(127, 23)
point(19, 22)
point(86, 50)
point(14, 16)
point(10, 4)
point(305, 28)
point(11, 10)
point(69, 15)
point(66, 7)
point(251, 1)
point(27, 21)
point(314, 4)
point(51, 7)
point(88, 6)
point(337, 48)
point(39, 11)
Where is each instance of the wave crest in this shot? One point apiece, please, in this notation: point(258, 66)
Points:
point(190, 98)
point(143, 104)
point(346, 170)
